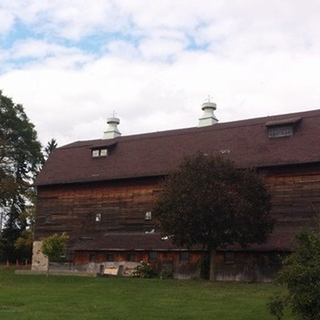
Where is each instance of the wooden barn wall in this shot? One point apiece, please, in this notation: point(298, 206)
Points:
point(248, 266)
point(123, 205)
point(74, 208)
point(296, 196)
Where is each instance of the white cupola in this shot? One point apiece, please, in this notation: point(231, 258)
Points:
point(112, 131)
point(208, 117)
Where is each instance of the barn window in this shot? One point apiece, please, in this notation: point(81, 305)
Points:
point(131, 257)
point(110, 257)
point(47, 218)
point(98, 217)
point(92, 257)
point(280, 131)
point(281, 128)
point(103, 152)
point(153, 256)
point(184, 256)
point(229, 257)
point(148, 215)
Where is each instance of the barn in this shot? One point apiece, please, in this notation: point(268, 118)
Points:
point(101, 192)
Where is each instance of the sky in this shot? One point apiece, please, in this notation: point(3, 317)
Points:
point(72, 64)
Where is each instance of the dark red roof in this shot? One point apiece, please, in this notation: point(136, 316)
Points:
point(246, 142)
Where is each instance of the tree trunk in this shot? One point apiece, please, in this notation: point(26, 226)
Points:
point(48, 268)
point(212, 274)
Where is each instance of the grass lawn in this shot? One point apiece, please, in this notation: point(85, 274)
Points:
point(71, 297)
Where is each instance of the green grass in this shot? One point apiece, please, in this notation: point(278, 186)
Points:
point(70, 297)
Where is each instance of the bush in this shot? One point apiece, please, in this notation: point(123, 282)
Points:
point(301, 277)
point(144, 270)
point(276, 306)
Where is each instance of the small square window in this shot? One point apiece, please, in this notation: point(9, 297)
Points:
point(47, 218)
point(131, 257)
point(98, 217)
point(110, 257)
point(229, 257)
point(103, 152)
point(92, 257)
point(95, 153)
point(184, 256)
point(148, 215)
point(153, 256)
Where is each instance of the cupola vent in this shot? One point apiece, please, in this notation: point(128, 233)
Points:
point(208, 117)
point(112, 131)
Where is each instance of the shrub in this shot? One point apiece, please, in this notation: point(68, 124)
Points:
point(301, 277)
point(144, 270)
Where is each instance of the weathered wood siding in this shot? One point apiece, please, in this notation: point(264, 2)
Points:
point(74, 208)
point(296, 196)
point(123, 204)
point(248, 266)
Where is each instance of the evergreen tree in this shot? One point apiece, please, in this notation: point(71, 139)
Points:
point(51, 145)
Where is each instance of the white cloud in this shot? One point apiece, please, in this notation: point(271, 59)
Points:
point(258, 58)
point(161, 48)
point(32, 48)
point(6, 19)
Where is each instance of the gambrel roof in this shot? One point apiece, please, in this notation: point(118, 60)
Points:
point(249, 143)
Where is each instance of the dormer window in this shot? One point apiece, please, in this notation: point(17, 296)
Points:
point(103, 152)
point(280, 131)
point(282, 128)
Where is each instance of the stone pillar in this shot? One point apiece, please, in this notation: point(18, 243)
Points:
point(39, 261)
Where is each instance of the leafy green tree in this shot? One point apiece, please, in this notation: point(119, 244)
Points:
point(20, 158)
point(207, 201)
point(300, 276)
point(54, 246)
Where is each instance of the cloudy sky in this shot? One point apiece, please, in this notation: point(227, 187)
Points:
point(73, 63)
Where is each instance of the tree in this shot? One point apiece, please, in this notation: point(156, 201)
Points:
point(207, 201)
point(54, 246)
point(51, 145)
point(20, 158)
point(300, 275)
